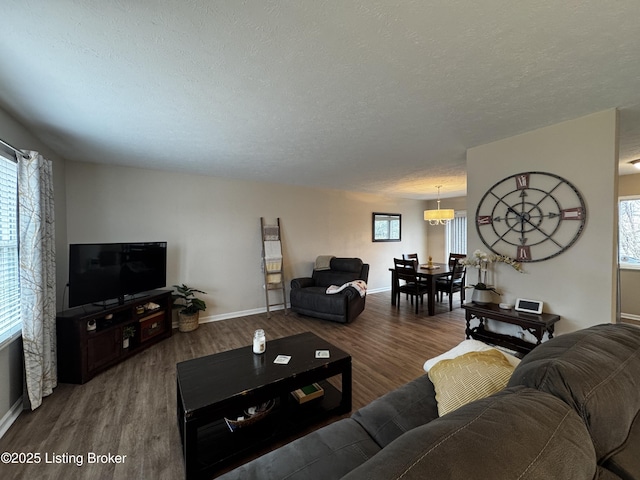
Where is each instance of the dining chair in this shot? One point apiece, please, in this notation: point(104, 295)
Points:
point(398, 283)
point(411, 256)
point(453, 257)
point(414, 257)
point(405, 271)
point(456, 256)
point(453, 283)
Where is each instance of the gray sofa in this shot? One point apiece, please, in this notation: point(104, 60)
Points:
point(308, 294)
point(571, 410)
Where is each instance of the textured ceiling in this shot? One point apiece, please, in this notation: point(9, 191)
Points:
point(366, 95)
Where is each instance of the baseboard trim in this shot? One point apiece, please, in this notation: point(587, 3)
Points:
point(630, 316)
point(378, 290)
point(256, 311)
point(10, 417)
point(242, 313)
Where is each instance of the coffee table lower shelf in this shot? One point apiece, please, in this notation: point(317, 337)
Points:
point(218, 446)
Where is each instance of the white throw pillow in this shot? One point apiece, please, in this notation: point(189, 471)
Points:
point(467, 346)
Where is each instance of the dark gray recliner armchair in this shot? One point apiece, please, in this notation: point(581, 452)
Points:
point(309, 297)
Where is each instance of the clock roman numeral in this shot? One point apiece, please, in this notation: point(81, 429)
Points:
point(572, 213)
point(522, 181)
point(484, 220)
point(523, 253)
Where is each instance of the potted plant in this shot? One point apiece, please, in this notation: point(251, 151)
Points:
point(190, 307)
point(482, 293)
point(482, 262)
point(127, 332)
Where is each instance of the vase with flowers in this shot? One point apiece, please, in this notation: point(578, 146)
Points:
point(482, 261)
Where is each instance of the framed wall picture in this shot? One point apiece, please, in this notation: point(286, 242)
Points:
point(386, 227)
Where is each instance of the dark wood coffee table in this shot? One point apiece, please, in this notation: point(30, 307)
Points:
point(224, 384)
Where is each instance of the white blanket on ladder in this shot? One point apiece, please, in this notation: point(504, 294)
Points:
point(359, 285)
point(272, 248)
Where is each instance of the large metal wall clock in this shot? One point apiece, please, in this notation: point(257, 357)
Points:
point(531, 216)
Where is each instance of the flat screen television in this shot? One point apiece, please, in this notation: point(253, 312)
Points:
point(108, 272)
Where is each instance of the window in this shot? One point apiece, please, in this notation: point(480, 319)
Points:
point(386, 227)
point(629, 232)
point(10, 324)
point(456, 234)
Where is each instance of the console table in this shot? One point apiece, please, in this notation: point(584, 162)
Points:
point(536, 324)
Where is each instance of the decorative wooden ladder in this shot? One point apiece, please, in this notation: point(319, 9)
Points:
point(272, 263)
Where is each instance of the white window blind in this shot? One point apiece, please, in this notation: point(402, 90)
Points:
point(456, 234)
point(10, 324)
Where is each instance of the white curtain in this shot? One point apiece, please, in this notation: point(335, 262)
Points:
point(37, 276)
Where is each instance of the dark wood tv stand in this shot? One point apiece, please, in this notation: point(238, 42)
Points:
point(83, 353)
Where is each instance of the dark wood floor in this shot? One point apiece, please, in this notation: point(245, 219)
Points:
point(131, 409)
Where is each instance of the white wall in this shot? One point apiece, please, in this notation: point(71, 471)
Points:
point(212, 226)
point(579, 285)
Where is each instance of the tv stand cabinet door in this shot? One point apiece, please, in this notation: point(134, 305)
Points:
point(102, 349)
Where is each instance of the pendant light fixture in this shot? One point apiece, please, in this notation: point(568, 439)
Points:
point(439, 217)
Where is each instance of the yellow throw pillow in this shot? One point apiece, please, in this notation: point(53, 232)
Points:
point(469, 377)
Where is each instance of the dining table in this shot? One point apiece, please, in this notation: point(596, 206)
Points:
point(429, 275)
